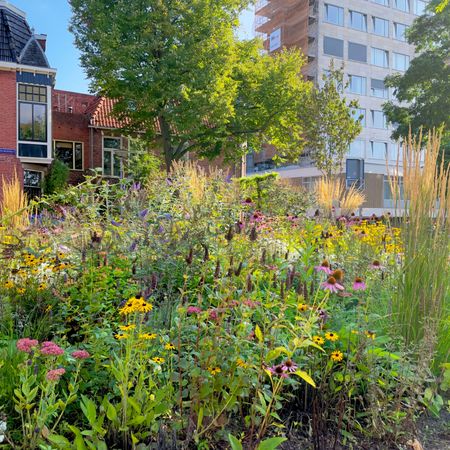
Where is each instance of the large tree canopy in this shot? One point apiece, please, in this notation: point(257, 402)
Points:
point(177, 64)
point(424, 88)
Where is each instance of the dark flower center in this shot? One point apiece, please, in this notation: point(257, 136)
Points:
point(358, 280)
point(279, 370)
point(325, 263)
point(331, 280)
point(376, 263)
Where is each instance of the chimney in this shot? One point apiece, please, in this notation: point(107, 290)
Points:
point(42, 40)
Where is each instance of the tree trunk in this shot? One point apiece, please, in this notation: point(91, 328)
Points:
point(167, 143)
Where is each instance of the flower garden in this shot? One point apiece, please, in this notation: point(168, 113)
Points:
point(195, 312)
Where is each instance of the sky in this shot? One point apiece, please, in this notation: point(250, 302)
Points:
point(51, 17)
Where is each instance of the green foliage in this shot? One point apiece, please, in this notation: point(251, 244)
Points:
point(178, 63)
point(331, 125)
point(56, 178)
point(425, 86)
point(142, 163)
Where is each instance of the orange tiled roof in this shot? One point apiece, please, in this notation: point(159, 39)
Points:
point(101, 114)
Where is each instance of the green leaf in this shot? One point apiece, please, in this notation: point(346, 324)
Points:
point(89, 409)
point(59, 440)
point(234, 442)
point(258, 334)
point(111, 412)
point(271, 443)
point(200, 418)
point(304, 376)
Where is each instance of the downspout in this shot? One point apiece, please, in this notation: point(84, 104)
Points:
point(91, 147)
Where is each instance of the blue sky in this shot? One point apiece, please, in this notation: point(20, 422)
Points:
point(52, 17)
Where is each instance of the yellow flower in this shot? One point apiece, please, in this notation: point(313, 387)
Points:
point(127, 327)
point(214, 370)
point(42, 287)
point(241, 363)
point(21, 290)
point(147, 336)
point(134, 304)
point(331, 336)
point(120, 336)
point(319, 340)
point(158, 360)
point(302, 307)
point(8, 284)
point(337, 356)
point(370, 334)
point(169, 346)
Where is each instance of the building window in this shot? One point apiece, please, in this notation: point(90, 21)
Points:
point(359, 114)
point(32, 183)
point(378, 89)
point(400, 31)
point(381, 2)
point(387, 191)
point(401, 62)
point(380, 57)
point(334, 14)
point(356, 148)
point(333, 47)
point(402, 5)
point(378, 150)
point(357, 52)
point(419, 7)
point(378, 119)
point(70, 153)
point(380, 26)
point(357, 85)
point(32, 113)
point(358, 21)
point(113, 157)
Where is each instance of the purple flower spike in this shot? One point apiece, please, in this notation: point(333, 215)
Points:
point(115, 223)
point(143, 213)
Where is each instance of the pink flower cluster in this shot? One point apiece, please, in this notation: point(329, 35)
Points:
point(50, 348)
point(284, 369)
point(193, 310)
point(55, 374)
point(81, 354)
point(26, 344)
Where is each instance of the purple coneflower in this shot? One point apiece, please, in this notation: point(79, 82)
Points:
point(323, 315)
point(324, 267)
point(332, 285)
point(289, 366)
point(376, 265)
point(278, 371)
point(359, 285)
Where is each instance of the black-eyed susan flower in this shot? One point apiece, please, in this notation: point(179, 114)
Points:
point(302, 307)
point(319, 340)
point(136, 304)
point(21, 290)
point(120, 336)
point(370, 334)
point(241, 363)
point(147, 336)
point(8, 284)
point(169, 346)
point(331, 336)
point(127, 327)
point(42, 287)
point(214, 370)
point(158, 360)
point(337, 356)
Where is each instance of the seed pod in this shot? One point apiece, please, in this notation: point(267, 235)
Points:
point(217, 270)
point(206, 254)
point(229, 235)
point(249, 283)
point(190, 257)
point(253, 234)
point(263, 257)
point(237, 272)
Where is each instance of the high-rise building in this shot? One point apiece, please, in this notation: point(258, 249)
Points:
point(367, 38)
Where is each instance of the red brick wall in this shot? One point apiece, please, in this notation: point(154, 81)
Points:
point(8, 110)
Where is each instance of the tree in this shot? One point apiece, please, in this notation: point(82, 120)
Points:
point(176, 69)
point(333, 125)
point(423, 91)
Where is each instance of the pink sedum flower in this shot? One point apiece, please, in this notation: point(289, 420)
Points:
point(81, 354)
point(332, 285)
point(193, 310)
point(51, 349)
point(359, 285)
point(55, 374)
point(26, 344)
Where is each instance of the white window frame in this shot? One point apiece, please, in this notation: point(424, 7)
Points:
point(351, 12)
point(373, 26)
point(113, 151)
point(396, 36)
point(73, 152)
point(339, 14)
point(364, 85)
point(385, 53)
point(385, 123)
point(406, 58)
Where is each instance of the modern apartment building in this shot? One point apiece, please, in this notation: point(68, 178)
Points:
point(367, 38)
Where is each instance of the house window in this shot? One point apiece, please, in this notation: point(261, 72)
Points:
point(419, 7)
point(380, 26)
point(333, 47)
point(356, 149)
point(358, 21)
point(32, 113)
point(70, 153)
point(359, 114)
point(399, 31)
point(379, 150)
point(402, 5)
point(334, 14)
point(380, 57)
point(381, 2)
point(388, 197)
point(113, 157)
point(401, 62)
point(378, 119)
point(357, 85)
point(378, 89)
point(32, 183)
point(357, 52)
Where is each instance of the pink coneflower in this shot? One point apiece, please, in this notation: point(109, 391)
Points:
point(55, 374)
point(289, 366)
point(81, 354)
point(50, 348)
point(248, 202)
point(278, 371)
point(358, 284)
point(332, 285)
point(26, 344)
point(324, 267)
point(193, 310)
point(251, 303)
point(376, 265)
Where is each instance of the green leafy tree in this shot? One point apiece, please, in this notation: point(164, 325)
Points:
point(332, 125)
point(176, 69)
point(423, 91)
